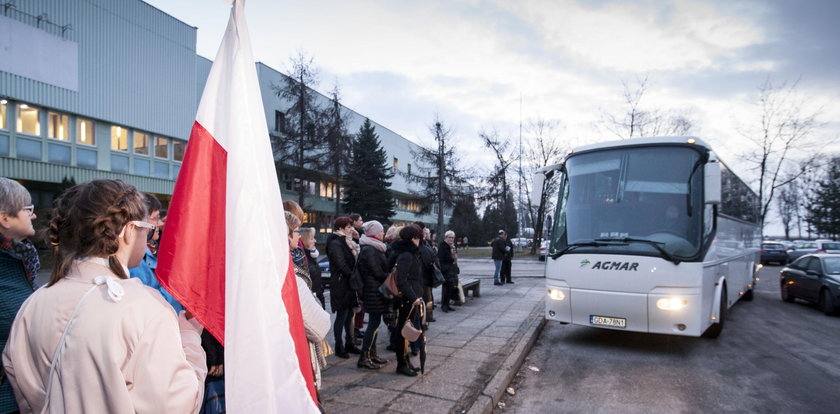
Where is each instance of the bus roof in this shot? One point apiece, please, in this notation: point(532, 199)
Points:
point(642, 141)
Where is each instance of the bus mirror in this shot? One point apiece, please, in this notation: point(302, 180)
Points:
point(712, 183)
point(537, 189)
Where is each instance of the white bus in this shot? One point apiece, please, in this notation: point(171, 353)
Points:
point(650, 235)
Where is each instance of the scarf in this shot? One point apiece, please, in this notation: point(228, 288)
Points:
point(373, 242)
point(25, 252)
point(350, 243)
point(454, 252)
point(298, 257)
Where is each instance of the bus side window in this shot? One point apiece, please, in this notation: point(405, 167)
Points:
point(708, 221)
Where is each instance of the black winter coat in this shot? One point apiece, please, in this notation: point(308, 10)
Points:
point(428, 260)
point(373, 266)
point(448, 266)
point(498, 245)
point(341, 266)
point(315, 276)
point(409, 277)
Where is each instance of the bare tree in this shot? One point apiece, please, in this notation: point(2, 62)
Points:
point(338, 140)
point(298, 144)
point(543, 147)
point(637, 121)
point(496, 189)
point(782, 141)
point(439, 175)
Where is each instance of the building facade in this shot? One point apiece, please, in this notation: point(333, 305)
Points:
point(109, 89)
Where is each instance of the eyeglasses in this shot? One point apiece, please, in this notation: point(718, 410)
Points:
point(30, 209)
point(143, 224)
point(296, 231)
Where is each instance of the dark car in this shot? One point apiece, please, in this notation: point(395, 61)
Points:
point(324, 265)
point(774, 252)
point(814, 278)
point(801, 249)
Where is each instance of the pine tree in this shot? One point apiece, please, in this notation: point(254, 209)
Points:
point(824, 206)
point(465, 220)
point(367, 182)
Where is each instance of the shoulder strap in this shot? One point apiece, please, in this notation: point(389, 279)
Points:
point(115, 292)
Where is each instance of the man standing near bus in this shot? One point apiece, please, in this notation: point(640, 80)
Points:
point(499, 252)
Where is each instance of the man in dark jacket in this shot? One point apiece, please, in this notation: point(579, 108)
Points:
point(406, 256)
point(504, 275)
point(499, 252)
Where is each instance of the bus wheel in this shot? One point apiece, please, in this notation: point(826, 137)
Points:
point(786, 295)
point(826, 304)
point(716, 328)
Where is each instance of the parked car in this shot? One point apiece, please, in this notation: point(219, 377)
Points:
point(828, 247)
point(814, 278)
point(324, 265)
point(802, 249)
point(521, 242)
point(774, 252)
point(544, 249)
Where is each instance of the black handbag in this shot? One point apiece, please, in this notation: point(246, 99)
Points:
point(439, 279)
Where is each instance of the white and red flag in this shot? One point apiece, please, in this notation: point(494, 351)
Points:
point(225, 252)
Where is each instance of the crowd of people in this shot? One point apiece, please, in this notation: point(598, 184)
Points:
point(155, 356)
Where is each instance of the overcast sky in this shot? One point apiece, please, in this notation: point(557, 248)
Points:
point(399, 62)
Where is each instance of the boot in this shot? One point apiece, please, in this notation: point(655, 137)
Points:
point(366, 362)
point(340, 352)
point(411, 366)
point(403, 366)
point(351, 348)
point(374, 356)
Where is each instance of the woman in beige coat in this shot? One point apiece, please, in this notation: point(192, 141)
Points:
point(92, 340)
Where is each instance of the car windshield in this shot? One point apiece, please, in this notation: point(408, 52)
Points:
point(642, 200)
point(772, 246)
point(832, 265)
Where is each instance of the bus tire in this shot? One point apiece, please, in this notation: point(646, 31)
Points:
point(716, 328)
point(826, 304)
point(786, 295)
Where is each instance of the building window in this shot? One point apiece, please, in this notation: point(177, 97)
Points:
point(161, 170)
point(409, 169)
point(178, 149)
point(279, 121)
point(119, 138)
point(58, 154)
point(327, 189)
point(57, 125)
point(27, 120)
point(396, 163)
point(161, 147)
point(141, 166)
point(3, 104)
point(119, 163)
point(85, 158)
point(28, 149)
point(4, 145)
point(85, 132)
point(141, 143)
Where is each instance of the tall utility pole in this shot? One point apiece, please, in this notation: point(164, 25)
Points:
point(519, 212)
point(439, 137)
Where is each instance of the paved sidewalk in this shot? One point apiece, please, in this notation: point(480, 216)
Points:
point(473, 354)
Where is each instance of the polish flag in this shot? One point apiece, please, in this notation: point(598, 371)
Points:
point(225, 253)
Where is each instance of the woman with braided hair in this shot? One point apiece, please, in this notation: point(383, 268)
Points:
point(92, 340)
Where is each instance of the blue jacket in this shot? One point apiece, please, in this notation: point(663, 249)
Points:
point(145, 271)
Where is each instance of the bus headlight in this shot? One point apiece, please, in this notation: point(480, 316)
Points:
point(671, 303)
point(556, 294)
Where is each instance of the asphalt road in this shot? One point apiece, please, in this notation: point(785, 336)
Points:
point(772, 357)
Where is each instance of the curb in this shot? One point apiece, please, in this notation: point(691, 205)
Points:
point(494, 390)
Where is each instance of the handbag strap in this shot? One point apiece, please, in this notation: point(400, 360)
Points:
point(115, 292)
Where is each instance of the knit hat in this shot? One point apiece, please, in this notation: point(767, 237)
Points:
point(372, 228)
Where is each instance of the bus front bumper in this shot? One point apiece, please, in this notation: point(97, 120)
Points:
point(665, 311)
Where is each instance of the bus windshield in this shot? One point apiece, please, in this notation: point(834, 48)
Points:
point(642, 200)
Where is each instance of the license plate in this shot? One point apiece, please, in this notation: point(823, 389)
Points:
point(608, 321)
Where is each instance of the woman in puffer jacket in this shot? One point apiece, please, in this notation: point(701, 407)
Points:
point(373, 266)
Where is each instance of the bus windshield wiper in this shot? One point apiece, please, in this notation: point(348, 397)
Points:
point(665, 255)
point(590, 243)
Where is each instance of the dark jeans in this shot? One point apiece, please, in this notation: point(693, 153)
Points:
point(343, 322)
point(374, 319)
point(505, 274)
point(449, 291)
